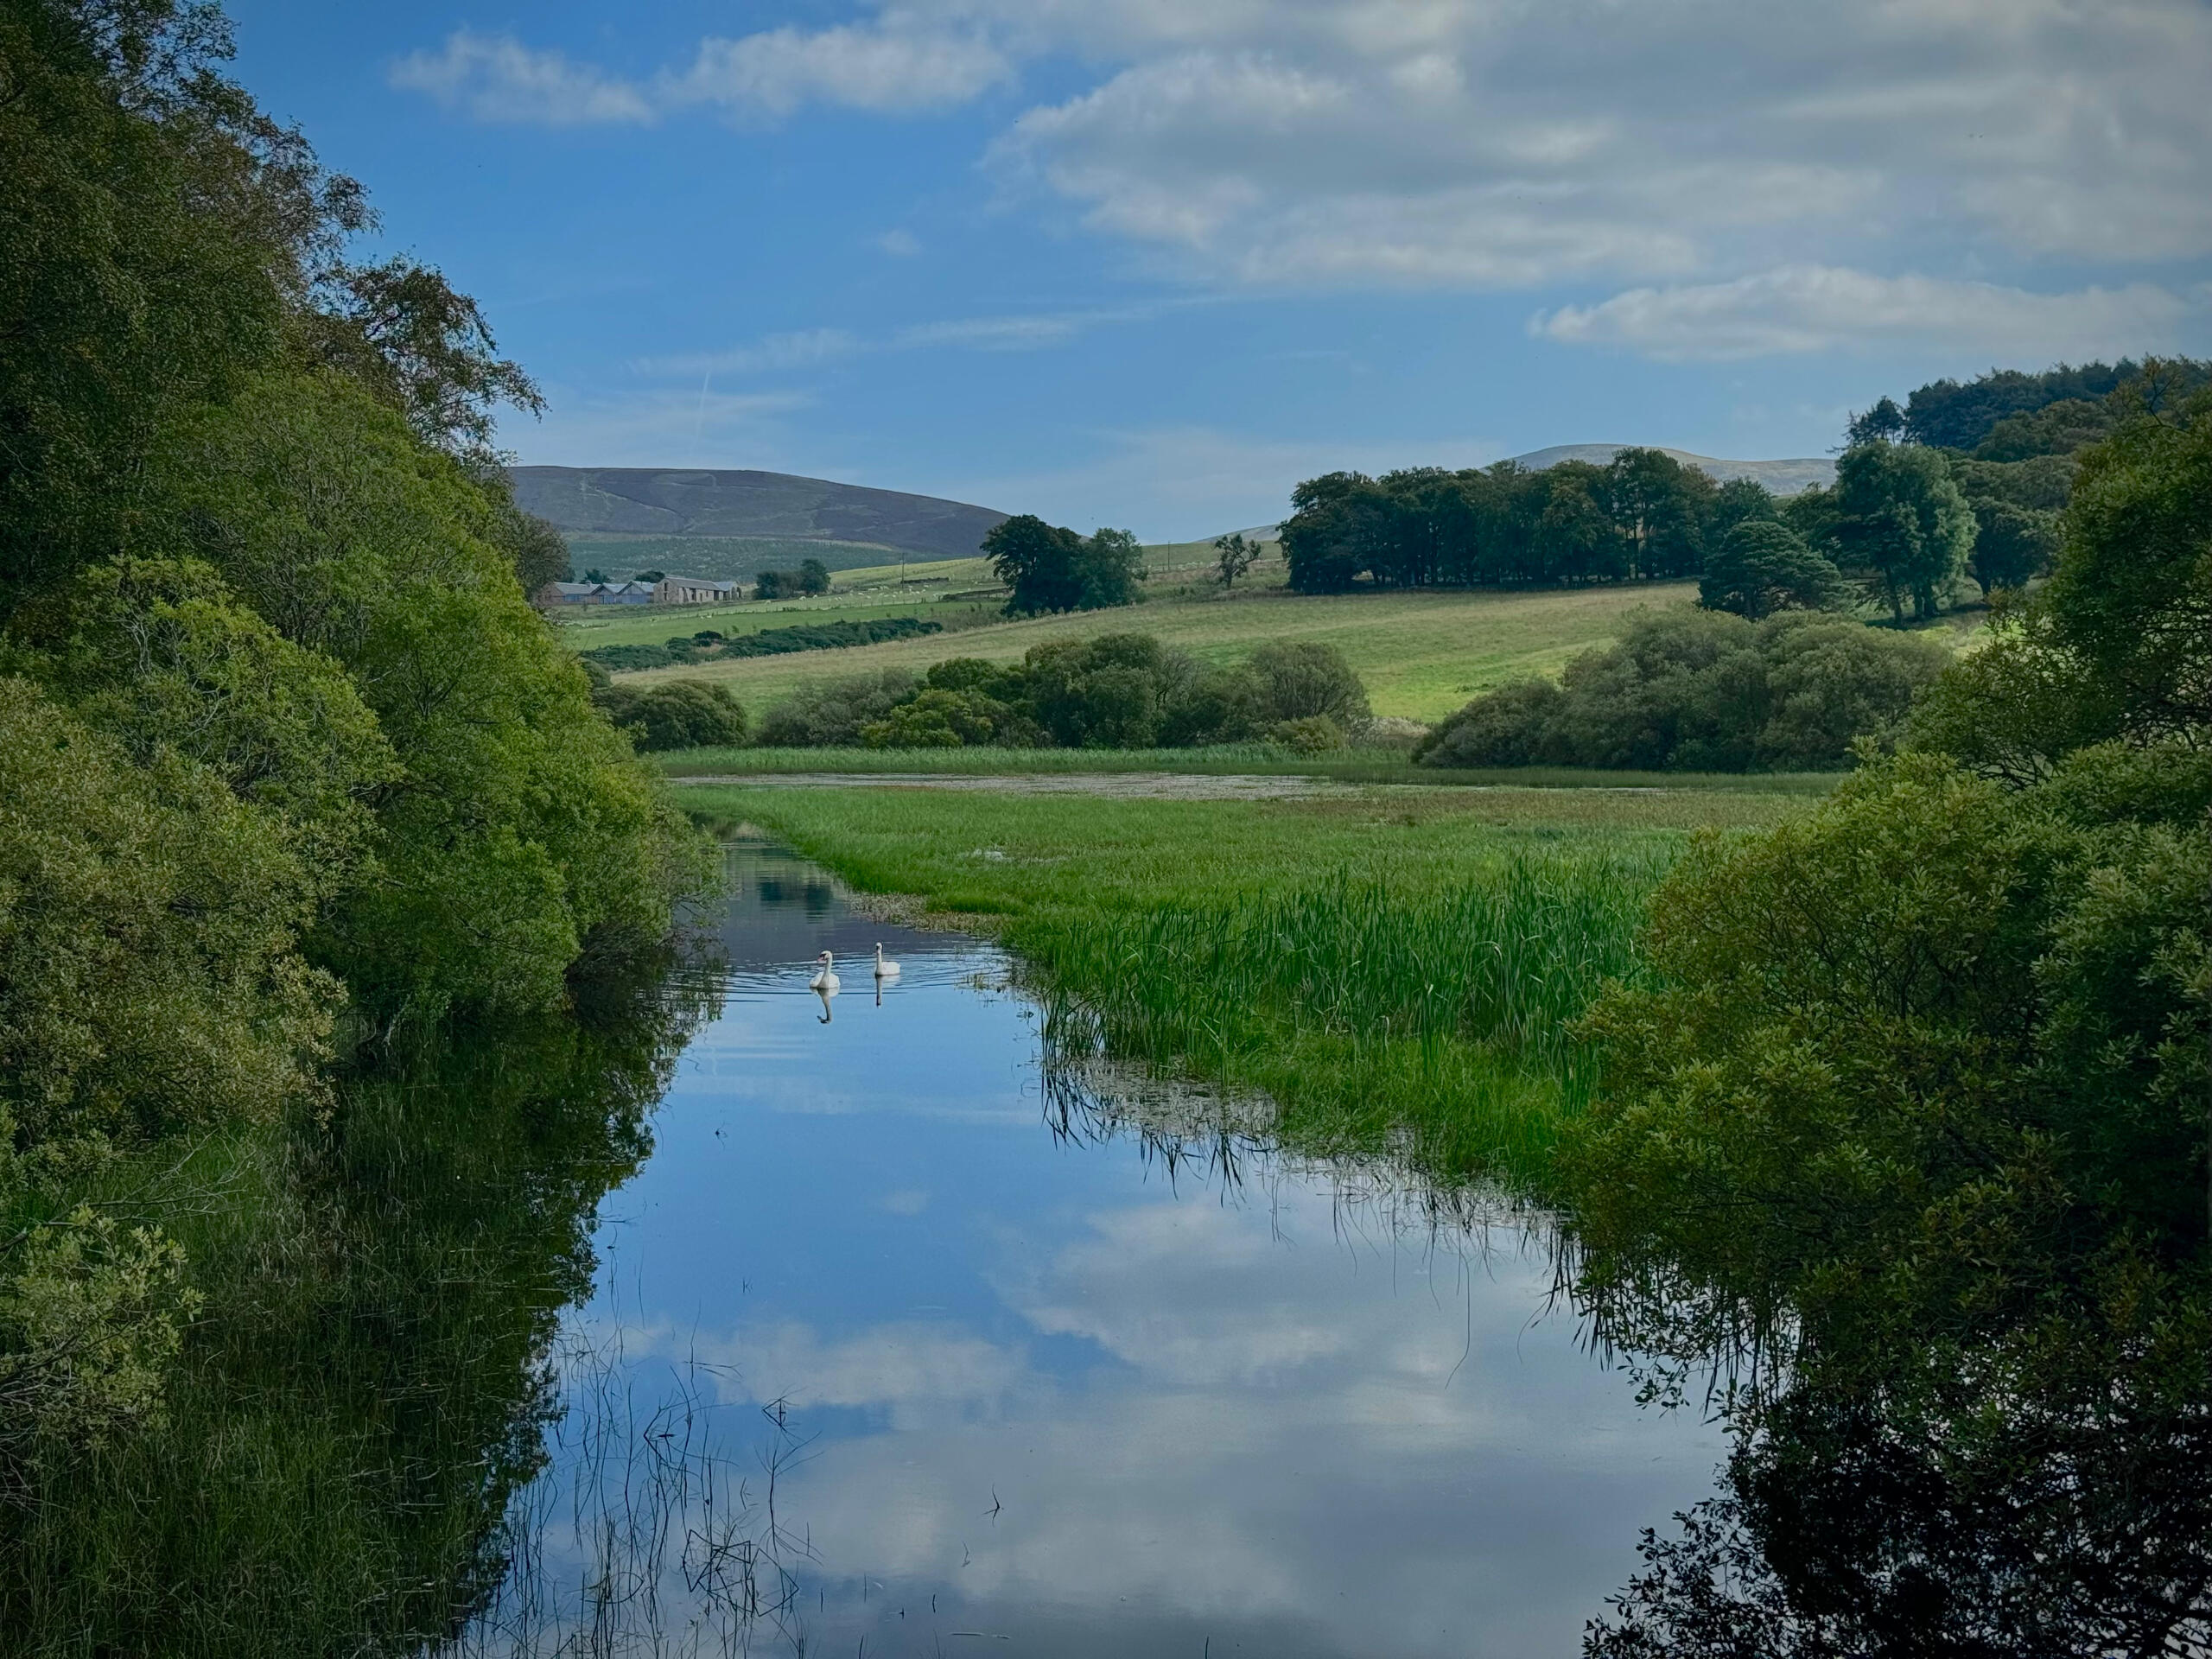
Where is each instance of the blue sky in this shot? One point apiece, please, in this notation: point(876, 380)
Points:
point(1147, 262)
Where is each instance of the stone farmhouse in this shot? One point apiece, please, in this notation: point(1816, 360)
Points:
point(669, 591)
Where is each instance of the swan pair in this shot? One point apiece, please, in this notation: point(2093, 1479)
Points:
point(825, 977)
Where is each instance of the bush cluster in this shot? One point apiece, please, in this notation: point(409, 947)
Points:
point(280, 734)
point(811, 577)
point(707, 645)
point(1121, 691)
point(1700, 690)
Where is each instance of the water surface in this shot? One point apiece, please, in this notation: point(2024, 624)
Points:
point(901, 1345)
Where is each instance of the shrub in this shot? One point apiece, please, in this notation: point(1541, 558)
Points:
point(1309, 735)
point(679, 714)
point(1500, 728)
point(1701, 690)
point(831, 714)
point(1303, 680)
point(936, 719)
point(1762, 566)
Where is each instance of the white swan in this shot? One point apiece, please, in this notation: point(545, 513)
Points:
point(826, 980)
point(885, 970)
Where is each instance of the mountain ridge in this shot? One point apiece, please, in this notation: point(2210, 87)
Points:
point(745, 504)
point(1785, 477)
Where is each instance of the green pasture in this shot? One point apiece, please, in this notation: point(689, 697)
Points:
point(589, 626)
point(1355, 766)
point(1421, 655)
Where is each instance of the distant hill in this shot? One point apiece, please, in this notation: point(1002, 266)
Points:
point(732, 523)
point(1783, 476)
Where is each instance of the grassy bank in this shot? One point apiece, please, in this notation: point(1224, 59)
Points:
point(1395, 968)
point(1420, 655)
point(1347, 765)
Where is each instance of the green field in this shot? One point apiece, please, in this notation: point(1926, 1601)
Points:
point(1352, 765)
point(590, 626)
point(1393, 968)
point(1420, 654)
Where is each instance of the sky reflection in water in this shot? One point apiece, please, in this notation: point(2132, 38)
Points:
point(1044, 1389)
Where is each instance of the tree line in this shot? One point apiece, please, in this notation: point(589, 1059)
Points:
point(1906, 1128)
point(1961, 486)
point(286, 758)
point(1118, 692)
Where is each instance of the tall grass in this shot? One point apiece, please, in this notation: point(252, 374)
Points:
point(1439, 1017)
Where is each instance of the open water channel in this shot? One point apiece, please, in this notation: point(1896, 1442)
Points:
point(903, 1343)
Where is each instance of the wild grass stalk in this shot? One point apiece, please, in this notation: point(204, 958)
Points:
point(1367, 1008)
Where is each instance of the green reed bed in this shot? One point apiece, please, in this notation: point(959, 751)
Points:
point(1368, 1009)
point(1390, 977)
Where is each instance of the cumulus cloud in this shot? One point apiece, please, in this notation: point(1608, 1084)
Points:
point(1457, 142)
point(883, 68)
point(1666, 149)
point(1800, 308)
point(496, 78)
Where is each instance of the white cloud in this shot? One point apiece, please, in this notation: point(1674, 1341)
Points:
point(1462, 142)
point(902, 243)
point(1667, 148)
point(882, 67)
point(496, 78)
point(888, 69)
point(1800, 308)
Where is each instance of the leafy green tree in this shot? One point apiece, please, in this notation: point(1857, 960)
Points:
point(1233, 557)
point(813, 577)
point(1762, 566)
point(161, 655)
point(1110, 564)
point(1305, 680)
point(159, 232)
point(676, 714)
point(1902, 519)
point(1701, 689)
point(1740, 500)
point(518, 829)
point(402, 331)
point(1051, 569)
point(1506, 727)
point(1574, 538)
point(2012, 545)
point(832, 713)
point(1884, 424)
point(151, 973)
point(1338, 526)
point(1659, 508)
point(1040, 563)
point(938, 719)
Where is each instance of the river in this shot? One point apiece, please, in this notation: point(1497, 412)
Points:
point(901, 1342)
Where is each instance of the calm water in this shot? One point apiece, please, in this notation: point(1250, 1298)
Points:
point(897, 1349)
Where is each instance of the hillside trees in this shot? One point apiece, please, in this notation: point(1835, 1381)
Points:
point(1916, 1099)
point(1642, 517)
point(1900, 516)
point(1051, 569)
point(1762, 566)
point(283, 733)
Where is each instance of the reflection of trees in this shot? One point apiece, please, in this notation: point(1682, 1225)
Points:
point(2036, 1480)
point(370, 1385)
